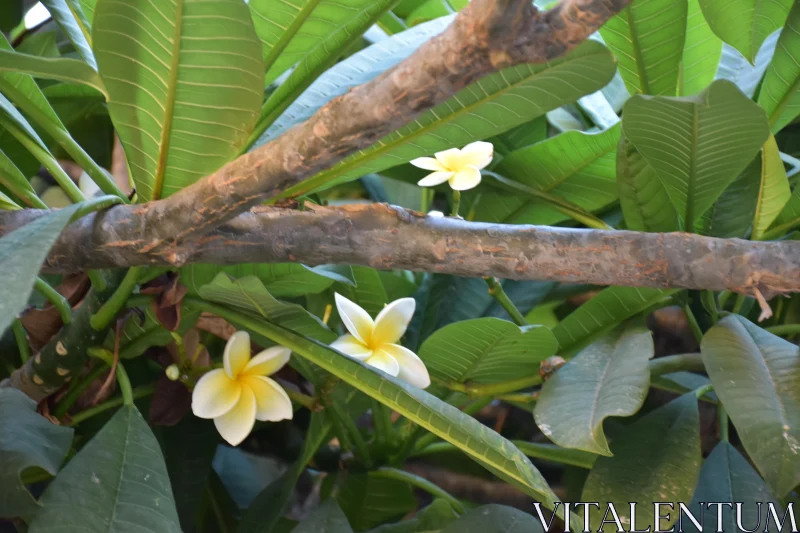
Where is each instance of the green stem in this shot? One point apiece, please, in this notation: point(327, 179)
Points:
point(534, 450)
point(382, 424)
point(517, 397)
point(76, 388)
point(302, 399)
point(692, 362)
point(419, 482)
point(456, 203)
point(659, 383)
point(106, 314)
point(55, 298)
point(785, 330)
point(693, 325)
point(702, 391)
point(497, 292)
point(122, 376)
point(46, 159)
point(21, 337)
point(496, 389)
point(62, 137)
point(780, 231)
point(722, 415)
point(98, 280)
point(95, 204)
point(139, 392)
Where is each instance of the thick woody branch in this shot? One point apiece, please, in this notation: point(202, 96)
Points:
point(486, 36)
point(387, 237)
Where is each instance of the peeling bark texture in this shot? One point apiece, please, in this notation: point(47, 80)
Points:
point(388, 237)
point(486, 36)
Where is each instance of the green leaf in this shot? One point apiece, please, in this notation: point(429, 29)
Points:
point(433, 518)
point(780, 92)
point(656, 459)
point(647, 38)
point(22, 253)
point(327, 518)
point(15, 181)
point(790, 216)
point(747, 76)
point(69, 16)
point(577, 167)
point(12, 15)
point(368, 292)
point(7, 204)
point(369, 501)
point(495, 519)
point(249, 294)
point(117, 482)
point(643, 199)
point(774, 191)
point(184, 82)
point(701, 53)
point(608, 378)
point(744, 24)
point(726, 476)
point(486, 350)
point(755, 375)
point(53, 68)
point(27, 440)
point(282, 280)
point(488, 107)
point(733, 212)
point(696, 145)
point(605, 311)
point(445, 421)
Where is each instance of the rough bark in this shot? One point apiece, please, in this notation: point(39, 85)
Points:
point(388, 237)
point(486, 36)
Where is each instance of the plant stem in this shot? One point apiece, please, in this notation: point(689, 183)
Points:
point(97, 279)
point(693, 325)
point(302, 399)
point(497, 292)
point(139, 392)
point(122, 376)
point(722, 415)
point(382, 424)
point(419, 482)
point(656, 382)
point(784, 330)
point(456, 202)
point(75, 390)
point(96, 204)
point(106, 314)
point(21, 336)
point(496, 389)
point(55, 298)
point(692, 362)
point(702, 391)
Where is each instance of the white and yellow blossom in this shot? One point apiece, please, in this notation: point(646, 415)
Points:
point(241, 393)
point(461, 168)
point(375, 342)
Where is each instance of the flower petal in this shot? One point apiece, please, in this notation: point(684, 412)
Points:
point(215, 394)
point(383, 361)
point(435, 178)
point(478, 154)
point(427, 163)
point(268, 362)
point(412, 369)
point(451, 158)
point(392, 321)
point(236, 424)
point(466, 178)
point(237, 353)
point(272, 402)
point(347, 344)
point(355, 319)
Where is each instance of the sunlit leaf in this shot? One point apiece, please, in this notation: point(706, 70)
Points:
point(495, 519)
point(69, 16)
point(701, 53)
point(54, 68)
point(744, 24)
point(780, 92)
point(773, 192)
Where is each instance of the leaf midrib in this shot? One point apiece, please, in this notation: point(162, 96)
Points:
point(289, 35)
point(637, 51)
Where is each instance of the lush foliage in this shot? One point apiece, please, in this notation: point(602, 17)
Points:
point(678, 115)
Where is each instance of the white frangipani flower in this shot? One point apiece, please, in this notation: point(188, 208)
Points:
point(375, 342)
point(462, 168)
point(241, 393)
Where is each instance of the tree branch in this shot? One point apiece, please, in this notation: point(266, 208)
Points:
point(388, 237)
point(486, 36)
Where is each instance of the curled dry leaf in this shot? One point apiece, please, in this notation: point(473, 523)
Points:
point(169, 294)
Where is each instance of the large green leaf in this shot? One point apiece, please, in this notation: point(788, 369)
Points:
point(696, 145)
point(184, 81)
point(647, 38)
point(445, 421)
point(495, 519)
point(605, 311)
point(726, 476)
point(701, 53)
point(69, 16)
point(656, 459)
point(55, 68)
point(608, 378)
point(642, 197)
point(15, 181)
point(774, 191)
point(327, 518)
point(755, 374)
point(486, 350)
point(575, 166)
point(369, 500)
point(488, 107)
point(22, 253)
point(780, 92)
point(744, 24)
point(117, 482)
point(733, 213)
point(747, 76)
point(27, 440)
